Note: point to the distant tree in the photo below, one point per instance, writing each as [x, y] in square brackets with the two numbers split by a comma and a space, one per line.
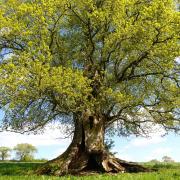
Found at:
[4, 152]
[25, 152]
[154, 161]
[167, 159]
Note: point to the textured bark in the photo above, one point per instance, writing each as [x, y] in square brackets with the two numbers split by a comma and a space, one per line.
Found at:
[87, 152]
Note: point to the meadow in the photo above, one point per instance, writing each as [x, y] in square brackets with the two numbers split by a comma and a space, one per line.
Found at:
[24, 171]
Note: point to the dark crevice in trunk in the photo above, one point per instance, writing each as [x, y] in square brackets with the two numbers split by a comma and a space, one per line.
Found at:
[83, 139]
[93, 165]
[91, 121]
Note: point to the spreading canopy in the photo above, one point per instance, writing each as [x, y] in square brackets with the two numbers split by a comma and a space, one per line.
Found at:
[112, 57]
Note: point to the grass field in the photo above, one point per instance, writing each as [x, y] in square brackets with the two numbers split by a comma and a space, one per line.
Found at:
[24, 171]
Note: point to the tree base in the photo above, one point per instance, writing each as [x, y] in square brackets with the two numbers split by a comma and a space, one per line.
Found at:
[84, 163]
[87, 154]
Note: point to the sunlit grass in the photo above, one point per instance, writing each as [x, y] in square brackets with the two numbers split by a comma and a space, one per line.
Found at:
[24, 171]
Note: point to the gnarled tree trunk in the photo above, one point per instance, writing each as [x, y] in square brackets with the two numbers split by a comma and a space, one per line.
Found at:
[87, 152]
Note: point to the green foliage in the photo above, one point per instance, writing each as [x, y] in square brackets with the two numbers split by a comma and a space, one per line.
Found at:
[113, 57]
[4, 152]
[25, 152]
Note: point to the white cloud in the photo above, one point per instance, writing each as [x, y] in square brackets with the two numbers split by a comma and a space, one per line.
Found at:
[159, 153]
[155, 137]
[48, 138]
[178, 60]
[142, 142]
[124, 156]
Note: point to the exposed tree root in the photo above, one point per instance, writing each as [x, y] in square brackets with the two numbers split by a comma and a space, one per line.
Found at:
[79, 164]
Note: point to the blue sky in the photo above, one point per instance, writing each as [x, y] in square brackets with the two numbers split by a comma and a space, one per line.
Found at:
[143, 149]
[50, 144]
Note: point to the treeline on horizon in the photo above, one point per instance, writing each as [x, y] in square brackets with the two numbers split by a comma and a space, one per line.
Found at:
[22, 152]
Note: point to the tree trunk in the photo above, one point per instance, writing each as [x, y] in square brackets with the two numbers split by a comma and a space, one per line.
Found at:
[87, 152]
[3, 156]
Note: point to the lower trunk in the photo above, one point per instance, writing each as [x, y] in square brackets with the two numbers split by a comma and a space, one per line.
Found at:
[87, 152]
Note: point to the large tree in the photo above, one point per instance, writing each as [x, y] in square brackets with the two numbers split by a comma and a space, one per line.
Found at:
[95, 65]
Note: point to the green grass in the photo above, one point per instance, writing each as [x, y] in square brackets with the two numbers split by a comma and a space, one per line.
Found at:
[163, 165]
[24, 171]
[17, 168]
